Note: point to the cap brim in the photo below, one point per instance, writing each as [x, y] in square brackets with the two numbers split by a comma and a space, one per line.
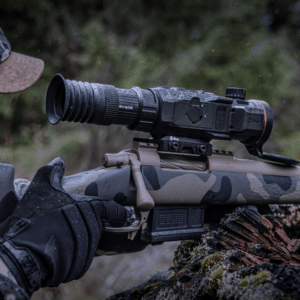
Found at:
[19, 72]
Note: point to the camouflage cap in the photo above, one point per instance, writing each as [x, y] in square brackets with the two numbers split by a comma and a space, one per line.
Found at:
[17, 71]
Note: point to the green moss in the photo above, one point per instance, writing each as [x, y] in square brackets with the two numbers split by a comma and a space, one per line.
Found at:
[137, 293]
[244, 283]
[172, 275]
[199, 250]
[202, 247]
[216, 278]
[183, 253]
[260, 278]
[210, 261]
[181, 272]
[151, 286]
[255, 280]
[249, 247]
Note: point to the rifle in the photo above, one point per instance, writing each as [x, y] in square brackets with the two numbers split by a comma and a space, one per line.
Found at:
[175, 181]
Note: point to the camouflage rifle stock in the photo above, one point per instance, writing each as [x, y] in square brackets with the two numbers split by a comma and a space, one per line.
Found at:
[179, 187]
[175, 181]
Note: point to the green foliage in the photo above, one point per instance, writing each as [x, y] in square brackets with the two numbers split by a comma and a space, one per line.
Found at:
[292, 145]
[71, 145]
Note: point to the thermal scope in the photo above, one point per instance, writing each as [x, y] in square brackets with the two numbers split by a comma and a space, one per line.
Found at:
[175, 117]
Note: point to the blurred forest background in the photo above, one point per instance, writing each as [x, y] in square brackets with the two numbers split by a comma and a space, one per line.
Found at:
[194, 44]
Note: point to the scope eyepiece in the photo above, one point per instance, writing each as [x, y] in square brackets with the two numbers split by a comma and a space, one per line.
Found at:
[101, 104]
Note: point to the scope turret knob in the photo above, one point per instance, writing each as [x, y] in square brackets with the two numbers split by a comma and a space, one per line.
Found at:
[236, 93]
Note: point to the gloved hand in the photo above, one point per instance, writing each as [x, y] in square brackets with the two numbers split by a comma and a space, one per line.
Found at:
[51, 236]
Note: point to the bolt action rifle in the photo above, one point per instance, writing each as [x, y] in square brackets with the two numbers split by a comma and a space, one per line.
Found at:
[175, 181]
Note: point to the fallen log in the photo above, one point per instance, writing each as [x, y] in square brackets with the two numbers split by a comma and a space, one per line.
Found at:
[249, 257]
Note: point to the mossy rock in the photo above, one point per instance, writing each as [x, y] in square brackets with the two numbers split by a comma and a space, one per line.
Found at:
[209, 261]
[183, 271]
[244, 283]
[255, 280]
[216, 278]
[260, 278]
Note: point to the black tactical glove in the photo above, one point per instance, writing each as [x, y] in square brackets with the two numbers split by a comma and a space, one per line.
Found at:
[51, 237]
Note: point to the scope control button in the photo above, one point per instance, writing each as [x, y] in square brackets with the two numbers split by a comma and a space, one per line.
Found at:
[194, 114]
[194, 111]
[237, 93]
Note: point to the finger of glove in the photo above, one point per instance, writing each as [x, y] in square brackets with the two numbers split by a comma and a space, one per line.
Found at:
[57, 161]
[110, 211]
[86, 233]
[45, 191]
[112, 243]
[40, 195]
[51, 173]
[7, 205]
[42, 175]
[57, 174]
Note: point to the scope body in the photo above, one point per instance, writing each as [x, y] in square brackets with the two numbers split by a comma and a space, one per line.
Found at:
[161, 111]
